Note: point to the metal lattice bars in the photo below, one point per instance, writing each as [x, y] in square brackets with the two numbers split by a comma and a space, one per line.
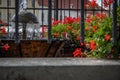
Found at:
[59, 10]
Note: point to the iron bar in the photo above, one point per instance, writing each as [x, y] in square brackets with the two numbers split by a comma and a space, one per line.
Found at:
[42, 15]
[7, 7]
[8, 18]
[101, 5]
[64, 10]
[16, 21]
[56, 9]
[33, 4]
[49, 20]
[17, 41]
[61, 10]
[114, 30]
[77, 7]
[82, 22]
[69, 7]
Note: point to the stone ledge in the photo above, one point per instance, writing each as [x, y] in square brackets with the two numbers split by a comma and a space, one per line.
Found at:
[56, 62]
[59, 69]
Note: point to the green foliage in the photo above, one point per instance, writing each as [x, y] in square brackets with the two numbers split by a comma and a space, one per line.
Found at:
[104, 48]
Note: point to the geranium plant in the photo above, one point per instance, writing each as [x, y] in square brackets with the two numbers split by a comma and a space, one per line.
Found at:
[68, 29]
[98, 34]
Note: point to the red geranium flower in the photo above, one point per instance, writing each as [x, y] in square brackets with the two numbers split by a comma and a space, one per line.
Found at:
[55, 22]
[68, 20]
[101, 15]
[56, 34]
[6, 47]
[92, 45]
[93, 3]
[3, 31]
[107, 37]
[88, 20]
[107, 2]
[94, 28]
[77, 52]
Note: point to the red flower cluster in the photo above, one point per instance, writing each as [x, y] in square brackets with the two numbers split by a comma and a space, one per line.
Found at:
[77, 52]
[56, 34]
[101, 15]
[68, 20]
[92, 3]
[6, 47]
[2, 30]
[88, 20]
[92, 45]
[71, 20]
[94, 28]
[107, 37]
[107, 2]
[55, 22]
